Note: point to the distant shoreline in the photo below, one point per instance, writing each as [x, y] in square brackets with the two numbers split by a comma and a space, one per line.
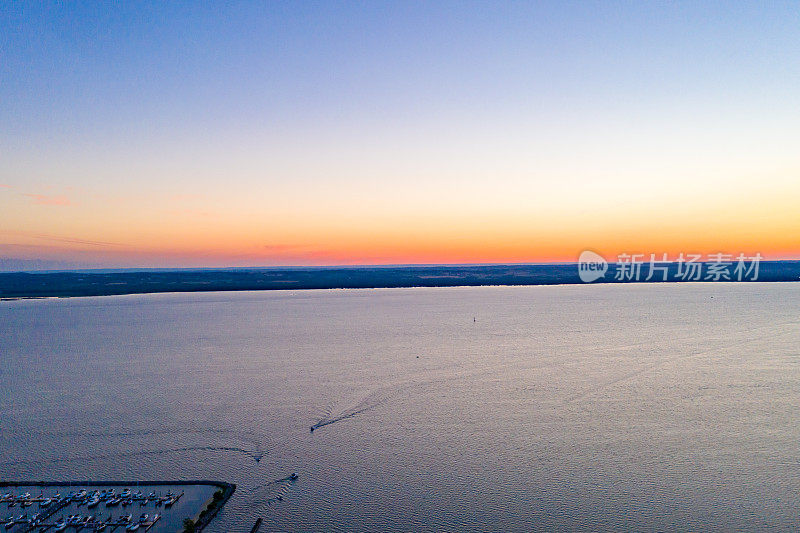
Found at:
[19, 285]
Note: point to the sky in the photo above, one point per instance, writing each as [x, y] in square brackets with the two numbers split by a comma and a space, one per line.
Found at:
[209, 134]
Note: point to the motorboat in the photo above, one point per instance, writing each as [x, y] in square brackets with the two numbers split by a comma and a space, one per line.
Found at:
[294, 476]
[144, 517]
[113, 501]
[132, 527]
[94, 502]
[45, 502]
[61, 525]
[11, 521]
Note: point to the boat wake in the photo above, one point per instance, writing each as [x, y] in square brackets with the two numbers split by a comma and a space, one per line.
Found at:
[276, 490]
[371, 401]
[250, 453]
[254, 444]
[282, 481]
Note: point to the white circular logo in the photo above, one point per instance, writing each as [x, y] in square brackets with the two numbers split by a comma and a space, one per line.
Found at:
[591, 266]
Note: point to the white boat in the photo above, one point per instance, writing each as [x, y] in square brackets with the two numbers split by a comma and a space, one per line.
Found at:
[45, 502]
[61, 525]
[126, 518]
[132, 527]
[125, 493]
[93, 502]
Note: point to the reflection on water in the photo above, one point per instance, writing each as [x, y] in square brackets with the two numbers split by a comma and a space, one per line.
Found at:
[494, 408]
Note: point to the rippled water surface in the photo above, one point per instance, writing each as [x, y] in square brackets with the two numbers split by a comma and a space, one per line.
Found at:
[492, 408]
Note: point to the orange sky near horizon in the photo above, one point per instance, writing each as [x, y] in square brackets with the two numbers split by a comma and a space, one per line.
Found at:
[209, 236]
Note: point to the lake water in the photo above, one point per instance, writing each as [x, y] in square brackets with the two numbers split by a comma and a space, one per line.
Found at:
[663, 406]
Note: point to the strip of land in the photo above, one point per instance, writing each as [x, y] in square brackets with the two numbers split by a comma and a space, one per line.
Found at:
[104, 282]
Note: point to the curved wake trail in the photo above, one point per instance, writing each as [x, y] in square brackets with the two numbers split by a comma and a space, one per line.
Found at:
[255, 455]
[251, 439]
[244, 436]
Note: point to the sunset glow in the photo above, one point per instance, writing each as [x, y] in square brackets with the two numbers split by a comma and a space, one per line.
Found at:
[401, 133]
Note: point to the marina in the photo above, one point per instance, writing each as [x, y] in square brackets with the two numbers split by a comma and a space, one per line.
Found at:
[108, 507]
